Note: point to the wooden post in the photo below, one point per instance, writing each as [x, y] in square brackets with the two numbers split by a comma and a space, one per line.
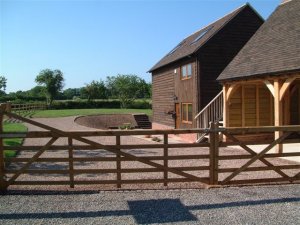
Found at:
[286, 108]
[71, 162]
[8, 107]
[165, 159]
[3, 186]
[119, 178]
[277, 113]
[213, 154]
[225, 110]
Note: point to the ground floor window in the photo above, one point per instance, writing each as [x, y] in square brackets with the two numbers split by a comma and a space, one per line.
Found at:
[186, 113]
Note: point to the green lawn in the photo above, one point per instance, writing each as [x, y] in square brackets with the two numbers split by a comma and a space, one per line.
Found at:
[85, 112]
[13, 127]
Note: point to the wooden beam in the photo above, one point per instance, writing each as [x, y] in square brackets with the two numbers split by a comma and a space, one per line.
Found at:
[225, 107]
[270, 87]
[257, 105]
[166, 165]
[118, 161]
[286, 108]
[71, 162]
[285, 86]
[277, 112]
[243, 106]
[232, 88]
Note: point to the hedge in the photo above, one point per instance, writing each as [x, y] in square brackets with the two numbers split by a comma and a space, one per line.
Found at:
[110, 104]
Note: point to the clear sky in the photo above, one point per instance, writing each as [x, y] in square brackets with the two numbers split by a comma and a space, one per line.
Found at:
[89, 40]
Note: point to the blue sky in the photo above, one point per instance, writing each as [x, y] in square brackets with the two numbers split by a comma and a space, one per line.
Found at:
[89, 40]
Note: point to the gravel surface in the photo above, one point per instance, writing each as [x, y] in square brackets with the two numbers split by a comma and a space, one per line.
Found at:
[244, 205]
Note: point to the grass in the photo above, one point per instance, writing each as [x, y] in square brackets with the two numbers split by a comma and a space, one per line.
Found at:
[12, 127]
[85, 112]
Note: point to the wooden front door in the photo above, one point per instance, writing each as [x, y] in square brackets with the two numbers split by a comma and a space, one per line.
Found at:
[177, 118]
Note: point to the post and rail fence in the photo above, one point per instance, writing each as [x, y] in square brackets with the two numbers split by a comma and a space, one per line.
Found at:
[120, 163]
[25, 110]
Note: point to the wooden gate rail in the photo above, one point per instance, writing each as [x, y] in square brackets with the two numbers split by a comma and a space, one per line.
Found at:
[212, 155]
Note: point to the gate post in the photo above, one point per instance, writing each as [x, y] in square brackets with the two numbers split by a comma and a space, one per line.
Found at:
[118, 161]
[3, 186]
[213, 153]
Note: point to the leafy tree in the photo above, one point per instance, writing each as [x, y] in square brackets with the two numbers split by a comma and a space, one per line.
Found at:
[70, 93]
[95, 90]
[53, 82]
[3, 82]
[125, 87]
[37, 91]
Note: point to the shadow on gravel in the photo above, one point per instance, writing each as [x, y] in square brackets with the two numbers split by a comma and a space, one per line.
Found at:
[148, 211]
[160, 211]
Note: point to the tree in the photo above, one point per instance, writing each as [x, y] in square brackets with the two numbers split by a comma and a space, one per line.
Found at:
[3, 82]
[70, 93]
[125, 87]
[36, 92]
[95, 90]
[53, 82]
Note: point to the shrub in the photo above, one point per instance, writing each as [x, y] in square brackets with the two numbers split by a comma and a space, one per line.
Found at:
[84, 104]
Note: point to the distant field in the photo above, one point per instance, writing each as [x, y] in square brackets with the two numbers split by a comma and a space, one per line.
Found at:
[85, 112]
[13, 127]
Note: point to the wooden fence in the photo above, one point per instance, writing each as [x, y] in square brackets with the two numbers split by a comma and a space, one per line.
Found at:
[25, 108]
[89, 159]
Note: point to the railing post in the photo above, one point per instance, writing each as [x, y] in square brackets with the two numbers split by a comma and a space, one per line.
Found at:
[119, 178]
[213, 153]
[8, 107]
[166, 159]
[3, 186]
[71, 162]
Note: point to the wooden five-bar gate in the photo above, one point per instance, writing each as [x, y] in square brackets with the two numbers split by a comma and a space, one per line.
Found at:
[119, 162]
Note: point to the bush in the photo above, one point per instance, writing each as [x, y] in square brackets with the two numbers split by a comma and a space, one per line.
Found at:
[140, 104]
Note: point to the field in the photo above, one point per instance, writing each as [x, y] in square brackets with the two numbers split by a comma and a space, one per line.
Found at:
[13, 127]
[85, 112]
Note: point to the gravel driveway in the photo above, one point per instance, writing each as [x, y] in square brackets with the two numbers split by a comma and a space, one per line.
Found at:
[245, 205]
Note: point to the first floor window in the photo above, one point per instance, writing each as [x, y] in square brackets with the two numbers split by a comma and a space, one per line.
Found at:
[187, 112]
[186, 71]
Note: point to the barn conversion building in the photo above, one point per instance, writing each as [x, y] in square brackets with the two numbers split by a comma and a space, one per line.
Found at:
[184, 81]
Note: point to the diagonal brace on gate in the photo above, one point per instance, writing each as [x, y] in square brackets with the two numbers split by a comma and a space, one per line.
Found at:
[256, 157]
[253, 153]
[112, 149]
[32, 160]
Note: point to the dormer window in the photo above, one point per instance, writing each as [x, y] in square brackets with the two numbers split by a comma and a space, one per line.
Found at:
[186, 71]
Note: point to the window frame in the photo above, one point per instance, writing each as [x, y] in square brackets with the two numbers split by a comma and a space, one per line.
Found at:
[185, 68]
[185, 106]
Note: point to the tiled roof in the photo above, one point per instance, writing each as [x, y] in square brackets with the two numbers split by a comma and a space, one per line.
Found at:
[274, 49]
[191, 45]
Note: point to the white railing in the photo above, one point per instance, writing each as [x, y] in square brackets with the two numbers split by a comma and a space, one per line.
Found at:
[212, 112]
